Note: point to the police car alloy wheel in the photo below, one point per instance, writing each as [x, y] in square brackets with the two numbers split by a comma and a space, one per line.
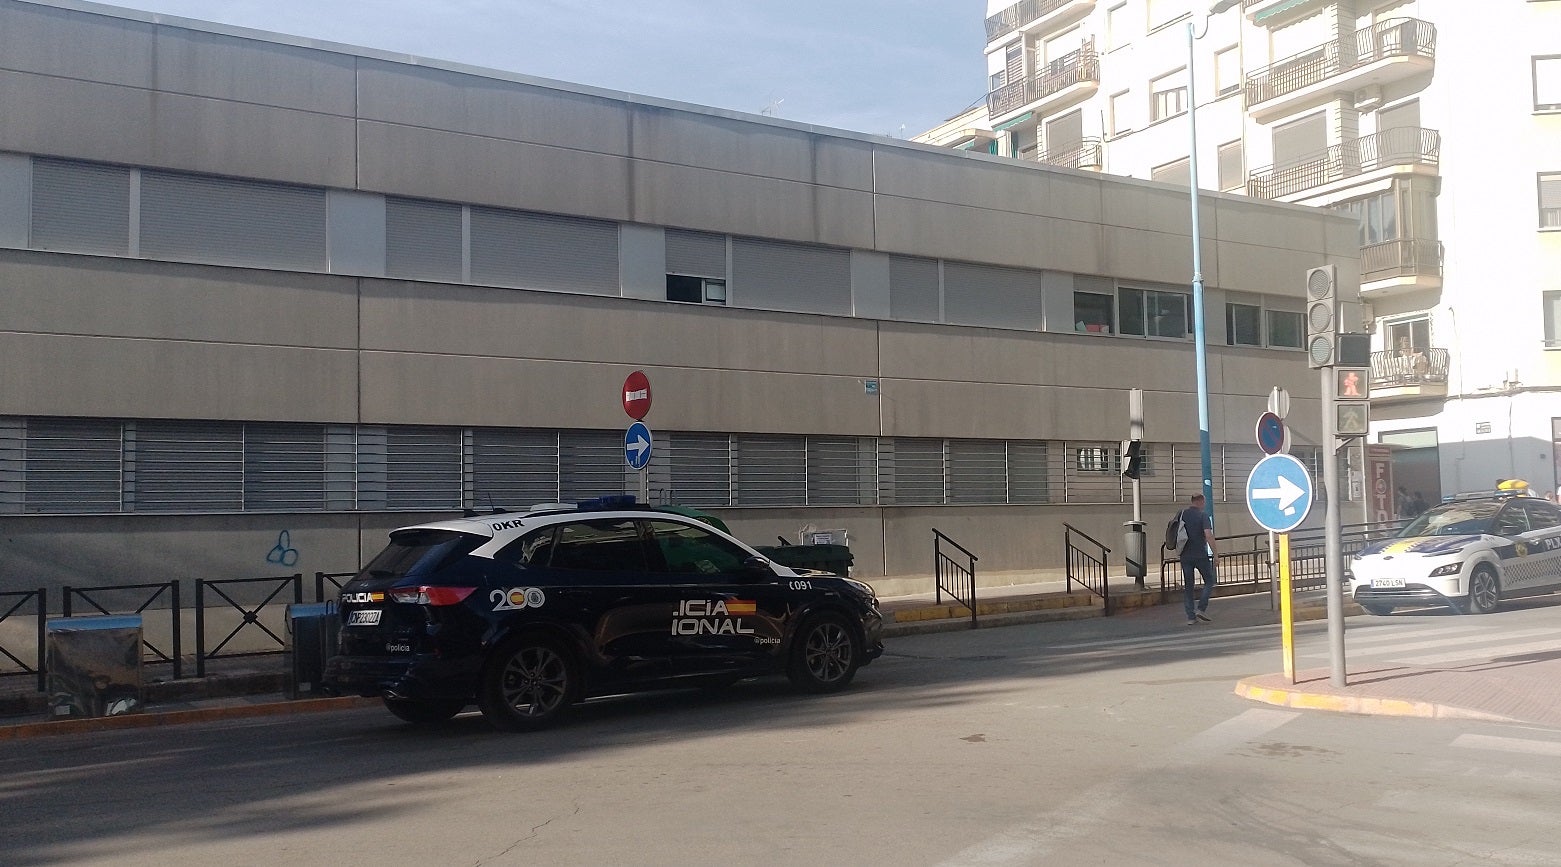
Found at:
[1484, 592]
[423, 712]
[824, 655]
[530, 685]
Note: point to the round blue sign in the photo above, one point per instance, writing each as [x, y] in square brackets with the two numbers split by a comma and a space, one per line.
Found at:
[1270, 433]
[1279, 493]
[636, 445]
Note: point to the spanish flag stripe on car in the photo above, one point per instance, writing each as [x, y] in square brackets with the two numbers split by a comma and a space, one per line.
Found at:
[741, 606]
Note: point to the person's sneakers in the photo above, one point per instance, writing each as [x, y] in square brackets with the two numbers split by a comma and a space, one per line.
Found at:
[1192, 623]
[1205, 618]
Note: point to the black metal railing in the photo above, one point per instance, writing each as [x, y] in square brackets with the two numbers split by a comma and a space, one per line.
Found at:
[334, 580]
[1020, 14]
[18, 600]
[98, 599]
[1391, 147]
[1396, 368]
[249, 611]
[951, 576]
[1089, 567]
[1085, 155]
[1395, 37]
[1073, 68]
[1411, 257]
[1244, 559]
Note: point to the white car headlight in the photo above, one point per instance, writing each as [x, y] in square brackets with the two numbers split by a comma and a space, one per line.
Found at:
[1446, 569]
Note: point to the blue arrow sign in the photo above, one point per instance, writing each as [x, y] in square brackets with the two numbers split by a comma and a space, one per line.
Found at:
[636, 445]
[1279, 493]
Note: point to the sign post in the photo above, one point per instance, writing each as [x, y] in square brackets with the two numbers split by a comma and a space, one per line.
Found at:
[1286, 614]
[637, 439]
[1279, 495]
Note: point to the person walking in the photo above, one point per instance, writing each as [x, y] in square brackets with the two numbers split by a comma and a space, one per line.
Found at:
[1197, 555]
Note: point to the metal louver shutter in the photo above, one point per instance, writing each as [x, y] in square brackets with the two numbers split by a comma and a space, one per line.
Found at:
[992, 297]
[1092, 473]
[13, 445]
[227, 221]
[422, 468]
[1030, 472]
[978, 471]
[590, 464]
[910, 471]
[1187, 467]
[772, 275]
[71, 465]
[514, 468]
[193, 466]
[1238, 462]
[701, 469]
[543, 251]
[80, 207]
[913, 289]
[284, 467]
[841, 471]
[422, 240]
[771, 471]
[696, 254]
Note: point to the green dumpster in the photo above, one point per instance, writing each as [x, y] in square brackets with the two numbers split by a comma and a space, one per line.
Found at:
[824, 558]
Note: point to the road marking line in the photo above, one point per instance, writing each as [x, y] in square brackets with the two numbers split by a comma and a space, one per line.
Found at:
[1102, 804]
[1488, 653]
[1508, 745]
[1472, 644]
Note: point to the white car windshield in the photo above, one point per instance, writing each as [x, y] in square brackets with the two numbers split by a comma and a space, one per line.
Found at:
[1453, 519]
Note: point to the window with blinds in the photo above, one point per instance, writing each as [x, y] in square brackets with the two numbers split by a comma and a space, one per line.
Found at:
[1092, 473]
[590, 464]
[696, 254]
[422, 468]
[183, 466]
[71, 466]
[80, 207]
[991, 296]
[978, 471]
[804, 278]
[842, 471]
[1550, 200]
[513, 469]
[910, 471]
[913, 289]
[284, 467]
[771, 471]
[226, 221]
[701, 469]
[544, 251]
[422, 240]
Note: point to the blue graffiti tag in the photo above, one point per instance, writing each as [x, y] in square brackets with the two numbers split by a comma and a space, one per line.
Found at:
[284, 554]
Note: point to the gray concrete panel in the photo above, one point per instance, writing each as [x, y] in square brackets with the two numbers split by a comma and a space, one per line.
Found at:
[971, 234]
[436, 99]
[844, 163]
[1270, 270]
[250, 70]
[1007, 185]
[52, 293]
[76, 45]
[736, 204]
[845, 218]
[1057, 314]
[355, 233]
[869, 284]
[431, 318]
[1252, 221]
[642, 261]
[16, 179]
[431, 164]
[1160, 257]
[722, 144]
[1153, 206]
[135, 378]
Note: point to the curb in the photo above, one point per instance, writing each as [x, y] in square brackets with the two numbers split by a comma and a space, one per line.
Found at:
[156, 719]
[1359, 704]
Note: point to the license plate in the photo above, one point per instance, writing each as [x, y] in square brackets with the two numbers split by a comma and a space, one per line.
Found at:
[367, 617]
[1387, 583]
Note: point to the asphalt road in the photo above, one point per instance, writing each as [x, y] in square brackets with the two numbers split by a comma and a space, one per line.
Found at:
[1112, 741]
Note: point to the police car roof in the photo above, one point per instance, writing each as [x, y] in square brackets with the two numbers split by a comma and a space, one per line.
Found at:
[499, 520]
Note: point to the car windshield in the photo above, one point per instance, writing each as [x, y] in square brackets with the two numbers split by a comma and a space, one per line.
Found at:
[1453, 519]
[415, 552]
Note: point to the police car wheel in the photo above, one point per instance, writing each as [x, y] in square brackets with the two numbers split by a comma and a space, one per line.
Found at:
[530, 684]
[824, 655]
[1378, 609]
[423, 712]
[1484, 592]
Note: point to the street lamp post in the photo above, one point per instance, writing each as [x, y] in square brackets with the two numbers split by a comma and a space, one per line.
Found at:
[1200, 343]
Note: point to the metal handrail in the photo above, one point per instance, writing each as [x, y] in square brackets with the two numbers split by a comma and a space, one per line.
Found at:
[1404, 257]
[333, 578]
[1243, 558]
[251, 616]
[86, 595]
[1395, 37]
[22, 597]
[1390, 147]
[1018, 15]
[1093, 573]
[962, 577]
[1085, 154]
[1392, 368]
[1072, 68]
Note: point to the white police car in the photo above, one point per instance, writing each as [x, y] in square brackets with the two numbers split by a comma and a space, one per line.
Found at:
[1468, 553]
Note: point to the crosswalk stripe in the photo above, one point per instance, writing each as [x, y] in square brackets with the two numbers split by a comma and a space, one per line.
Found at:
[1495, 652]
[1508, 745]
[1373, 635]
[1470, 641]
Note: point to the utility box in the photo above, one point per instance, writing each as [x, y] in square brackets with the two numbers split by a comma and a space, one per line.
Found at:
[312, 630]
[824, 558]
[94, 666]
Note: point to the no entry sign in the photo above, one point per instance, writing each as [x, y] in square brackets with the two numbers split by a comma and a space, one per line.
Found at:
[636, 395]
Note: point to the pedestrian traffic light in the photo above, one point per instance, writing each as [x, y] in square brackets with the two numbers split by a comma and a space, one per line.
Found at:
[1322, 316]
[1132, 458]
[1352, 383]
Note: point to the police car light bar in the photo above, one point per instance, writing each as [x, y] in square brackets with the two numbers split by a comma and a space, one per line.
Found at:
[607, 503]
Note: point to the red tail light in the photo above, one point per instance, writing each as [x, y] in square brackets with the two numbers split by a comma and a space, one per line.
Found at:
[426, 595]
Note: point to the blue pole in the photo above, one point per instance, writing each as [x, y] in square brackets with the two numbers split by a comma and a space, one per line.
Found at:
[1200, 345]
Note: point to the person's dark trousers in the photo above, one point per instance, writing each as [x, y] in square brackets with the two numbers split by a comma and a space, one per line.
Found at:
[1205, 567]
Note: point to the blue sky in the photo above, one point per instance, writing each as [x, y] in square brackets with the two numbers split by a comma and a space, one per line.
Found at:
[866, 65]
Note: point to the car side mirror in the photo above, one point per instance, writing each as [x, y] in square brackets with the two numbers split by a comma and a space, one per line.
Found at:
[759, 566]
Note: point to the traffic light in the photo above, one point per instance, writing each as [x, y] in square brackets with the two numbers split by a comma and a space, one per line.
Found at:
[1132, 458]
[1322, 316]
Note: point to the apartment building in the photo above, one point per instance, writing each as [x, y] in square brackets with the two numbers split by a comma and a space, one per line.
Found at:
[1435, 124]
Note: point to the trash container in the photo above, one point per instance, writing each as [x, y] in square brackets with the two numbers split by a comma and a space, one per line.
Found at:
[94, 666]
[312, 629]
[825, 558]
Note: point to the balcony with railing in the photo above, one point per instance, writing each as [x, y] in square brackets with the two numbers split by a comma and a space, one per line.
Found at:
[1084, 155]
[1387, 51]
[1035, 16]
[1366, 158]
[1400, 266]
[1400, 375]
[1071, 78]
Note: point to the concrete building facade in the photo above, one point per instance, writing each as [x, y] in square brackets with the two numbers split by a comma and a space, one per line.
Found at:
[1435, 124]
[266, 298]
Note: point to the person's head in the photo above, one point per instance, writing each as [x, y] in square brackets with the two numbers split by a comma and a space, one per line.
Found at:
[1403, 343]
[1197, 500]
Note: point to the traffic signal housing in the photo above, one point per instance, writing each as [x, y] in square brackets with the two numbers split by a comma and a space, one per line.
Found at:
[1132, 458]
[1322, 316]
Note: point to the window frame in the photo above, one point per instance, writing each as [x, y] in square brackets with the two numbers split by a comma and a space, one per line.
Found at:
[1549, 211]
[1555, 61]
[1157, 95]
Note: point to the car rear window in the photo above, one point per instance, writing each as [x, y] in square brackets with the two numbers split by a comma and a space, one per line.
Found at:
[413, 553]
